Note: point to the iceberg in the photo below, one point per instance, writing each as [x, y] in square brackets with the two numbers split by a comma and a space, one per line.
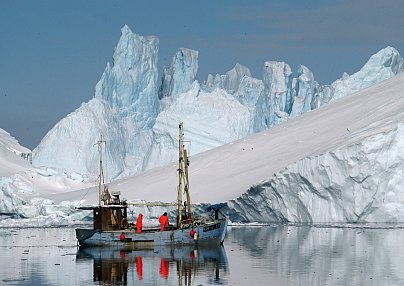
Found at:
[130, 86]
[343, 164]
[352, 184]
[137, 117]
[292, 148]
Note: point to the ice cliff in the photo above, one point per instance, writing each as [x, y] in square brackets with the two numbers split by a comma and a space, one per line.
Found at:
[179, 77]
[358, 179]
[286, 97]
[354, 183]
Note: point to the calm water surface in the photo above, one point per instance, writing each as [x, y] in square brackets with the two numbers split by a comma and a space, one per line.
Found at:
[260, 255]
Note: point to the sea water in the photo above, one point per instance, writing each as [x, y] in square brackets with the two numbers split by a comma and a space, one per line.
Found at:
[251, 255]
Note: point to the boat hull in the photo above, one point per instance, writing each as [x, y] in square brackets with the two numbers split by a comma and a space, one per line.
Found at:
[212, 233]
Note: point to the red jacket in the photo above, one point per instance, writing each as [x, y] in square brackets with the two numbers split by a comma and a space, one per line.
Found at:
[163, 220]
[139, 223]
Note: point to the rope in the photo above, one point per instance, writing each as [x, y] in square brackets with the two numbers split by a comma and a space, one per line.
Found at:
[106, 164]
[83, 196]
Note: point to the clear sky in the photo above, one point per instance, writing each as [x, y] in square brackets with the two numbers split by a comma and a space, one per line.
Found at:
[52, 53]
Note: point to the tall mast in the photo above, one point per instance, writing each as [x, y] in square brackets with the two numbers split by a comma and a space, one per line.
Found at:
[101, 175]
[183, 178]
[186, 183]
[180, 173]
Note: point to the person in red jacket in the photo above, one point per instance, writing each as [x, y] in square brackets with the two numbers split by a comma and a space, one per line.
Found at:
[139, 223]
[163, 220]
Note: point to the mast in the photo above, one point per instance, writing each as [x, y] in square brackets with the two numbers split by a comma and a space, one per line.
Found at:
[183, 163]
[186, 183]
[101, 175]
[180, 173]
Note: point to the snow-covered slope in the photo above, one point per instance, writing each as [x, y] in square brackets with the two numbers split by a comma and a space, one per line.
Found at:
[138, 117]
[342, 162]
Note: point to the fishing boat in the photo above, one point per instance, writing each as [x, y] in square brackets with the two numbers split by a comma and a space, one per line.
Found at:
[110, 217]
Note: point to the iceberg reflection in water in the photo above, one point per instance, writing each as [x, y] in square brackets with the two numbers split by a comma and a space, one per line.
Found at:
[171, 265]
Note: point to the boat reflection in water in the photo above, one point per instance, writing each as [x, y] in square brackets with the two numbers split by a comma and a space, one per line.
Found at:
[181, 266]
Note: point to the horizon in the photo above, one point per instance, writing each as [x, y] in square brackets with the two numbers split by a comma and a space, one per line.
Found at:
[53, 54]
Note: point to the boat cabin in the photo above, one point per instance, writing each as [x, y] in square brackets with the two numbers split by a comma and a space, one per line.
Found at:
[112, 216]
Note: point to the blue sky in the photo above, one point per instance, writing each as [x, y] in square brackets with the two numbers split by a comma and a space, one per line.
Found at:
[53, 52]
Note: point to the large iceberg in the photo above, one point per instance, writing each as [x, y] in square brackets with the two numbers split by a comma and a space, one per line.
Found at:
[137, 117]
[342, 162]
[333, 180]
